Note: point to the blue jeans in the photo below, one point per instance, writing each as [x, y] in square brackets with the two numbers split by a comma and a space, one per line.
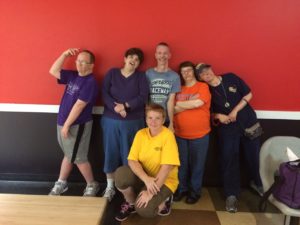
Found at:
[229, 145]
[118, 136]
[192, 154]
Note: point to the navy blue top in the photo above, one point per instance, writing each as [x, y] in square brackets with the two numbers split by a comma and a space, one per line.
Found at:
[84, 88]
[232, 89]
[133, 89]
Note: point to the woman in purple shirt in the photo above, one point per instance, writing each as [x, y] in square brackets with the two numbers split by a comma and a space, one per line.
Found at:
[125, 93]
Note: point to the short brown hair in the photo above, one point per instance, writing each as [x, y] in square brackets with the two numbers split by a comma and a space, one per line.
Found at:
[156, 108]
[135, 51]
[186, 64]
[92, 56]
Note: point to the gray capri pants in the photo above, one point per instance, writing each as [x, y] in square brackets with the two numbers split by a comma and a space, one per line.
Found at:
[124, 178]
[76, 146]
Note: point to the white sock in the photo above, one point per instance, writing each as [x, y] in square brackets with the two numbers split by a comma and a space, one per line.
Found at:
[110, 183]
[62, 181]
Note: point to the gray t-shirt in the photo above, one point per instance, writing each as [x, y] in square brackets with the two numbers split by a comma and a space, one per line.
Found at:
[161, 85]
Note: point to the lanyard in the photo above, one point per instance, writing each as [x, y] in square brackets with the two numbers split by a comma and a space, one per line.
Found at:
[226, 104]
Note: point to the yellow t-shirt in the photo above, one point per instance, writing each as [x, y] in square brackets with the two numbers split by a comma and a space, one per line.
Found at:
[152, 152]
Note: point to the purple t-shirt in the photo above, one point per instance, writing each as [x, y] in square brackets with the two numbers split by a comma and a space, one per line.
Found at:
[84, 88]
[134, 90]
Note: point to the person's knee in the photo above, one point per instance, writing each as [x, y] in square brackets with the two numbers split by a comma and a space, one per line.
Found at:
[123, 177]
[148, 212]
[80, 161]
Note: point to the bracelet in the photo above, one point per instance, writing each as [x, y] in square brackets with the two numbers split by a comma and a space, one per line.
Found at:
[245, 100]
[127, 109]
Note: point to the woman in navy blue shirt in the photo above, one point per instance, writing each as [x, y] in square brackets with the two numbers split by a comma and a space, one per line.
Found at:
[231, 114]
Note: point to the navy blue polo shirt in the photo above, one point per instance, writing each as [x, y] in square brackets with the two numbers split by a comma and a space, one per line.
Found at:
[231, 90]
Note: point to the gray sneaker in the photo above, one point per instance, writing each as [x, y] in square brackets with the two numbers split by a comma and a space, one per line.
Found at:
[59, 188]
[109, 193]
[231, 204]
[91, 189]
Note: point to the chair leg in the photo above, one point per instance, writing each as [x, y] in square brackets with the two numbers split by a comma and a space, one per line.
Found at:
[287, 220]
[294, 221]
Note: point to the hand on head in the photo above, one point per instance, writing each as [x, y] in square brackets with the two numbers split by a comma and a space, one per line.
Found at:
[71, 51]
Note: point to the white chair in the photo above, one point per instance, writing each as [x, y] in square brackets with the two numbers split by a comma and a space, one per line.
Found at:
[272, 153]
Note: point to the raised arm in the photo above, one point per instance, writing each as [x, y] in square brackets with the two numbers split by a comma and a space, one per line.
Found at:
[58, 64]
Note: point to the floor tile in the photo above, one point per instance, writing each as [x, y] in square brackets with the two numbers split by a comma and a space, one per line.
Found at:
[177, 217]
[239, 218]
[269, 218]
[248, 201]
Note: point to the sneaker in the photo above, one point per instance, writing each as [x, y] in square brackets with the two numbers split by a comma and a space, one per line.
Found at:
[109, 193]
[59, 188]
[167, 208]
[126, 210]
[91, 189]
[258, 189]
[231, 204]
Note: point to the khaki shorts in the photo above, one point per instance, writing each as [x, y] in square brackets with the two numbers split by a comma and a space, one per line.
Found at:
[76, 146]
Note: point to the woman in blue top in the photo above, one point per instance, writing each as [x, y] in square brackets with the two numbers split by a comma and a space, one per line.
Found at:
[125, 93]
[232, 114]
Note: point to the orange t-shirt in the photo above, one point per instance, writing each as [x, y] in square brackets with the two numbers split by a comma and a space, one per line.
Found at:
[193, 123]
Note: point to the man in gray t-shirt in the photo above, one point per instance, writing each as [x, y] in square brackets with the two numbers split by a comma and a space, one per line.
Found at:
[164, 83]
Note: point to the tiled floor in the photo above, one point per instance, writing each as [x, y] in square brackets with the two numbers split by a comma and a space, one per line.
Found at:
[208, 211]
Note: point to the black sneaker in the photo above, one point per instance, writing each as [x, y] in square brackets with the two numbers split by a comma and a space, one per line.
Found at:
[126, 210]
[167, 208]
[179, 195]
[192, 198]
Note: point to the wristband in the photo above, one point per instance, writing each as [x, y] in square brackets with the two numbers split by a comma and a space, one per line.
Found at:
[127, 109]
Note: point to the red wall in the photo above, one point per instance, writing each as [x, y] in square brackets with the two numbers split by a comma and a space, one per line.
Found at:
[257, 39]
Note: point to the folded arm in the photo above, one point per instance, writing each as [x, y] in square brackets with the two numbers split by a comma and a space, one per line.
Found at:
[188, 104]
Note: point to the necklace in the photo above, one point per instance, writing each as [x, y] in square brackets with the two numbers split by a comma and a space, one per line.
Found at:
[226, 104]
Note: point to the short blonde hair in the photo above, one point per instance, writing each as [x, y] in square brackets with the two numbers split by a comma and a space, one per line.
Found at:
[156, 108]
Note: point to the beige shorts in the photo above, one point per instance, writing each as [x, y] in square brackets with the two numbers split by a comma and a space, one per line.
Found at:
[76, 146]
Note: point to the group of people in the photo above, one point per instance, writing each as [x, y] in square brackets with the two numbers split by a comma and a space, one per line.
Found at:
[163, 161]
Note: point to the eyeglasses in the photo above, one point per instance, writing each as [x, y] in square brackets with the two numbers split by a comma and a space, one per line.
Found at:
[204, 71]
[82, 62]
[184, 71]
